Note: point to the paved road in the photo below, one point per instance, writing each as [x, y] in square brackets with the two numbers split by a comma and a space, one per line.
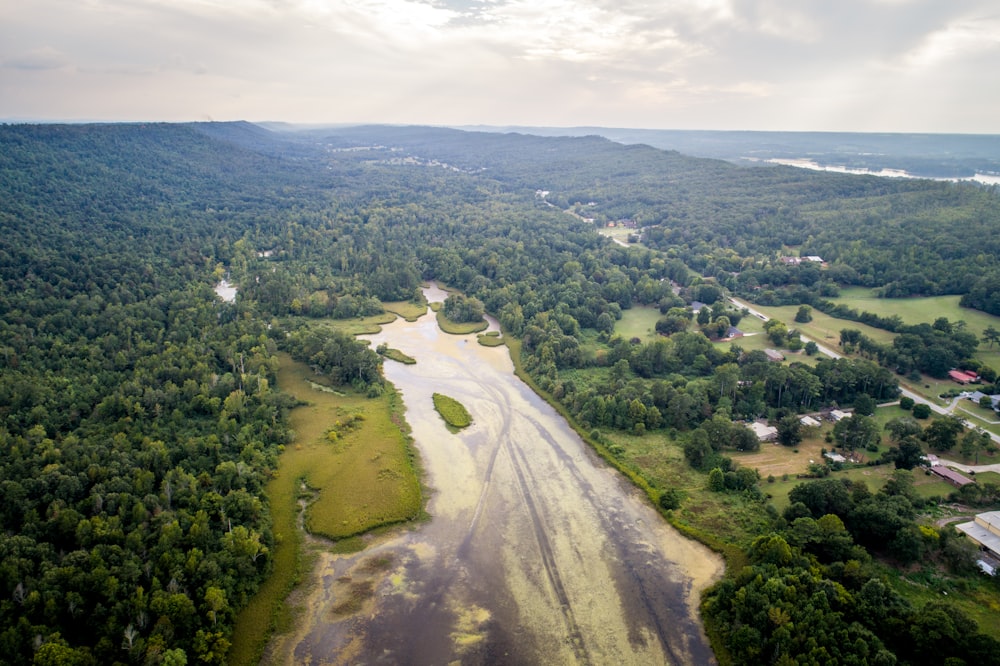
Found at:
[916, 397]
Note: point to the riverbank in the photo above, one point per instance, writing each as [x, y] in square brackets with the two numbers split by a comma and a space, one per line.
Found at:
[537, 552]
[353, 460]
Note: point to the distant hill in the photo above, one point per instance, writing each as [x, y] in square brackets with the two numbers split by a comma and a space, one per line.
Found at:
[922, 155]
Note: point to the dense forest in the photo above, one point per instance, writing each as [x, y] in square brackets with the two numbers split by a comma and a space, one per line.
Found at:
[139, 418]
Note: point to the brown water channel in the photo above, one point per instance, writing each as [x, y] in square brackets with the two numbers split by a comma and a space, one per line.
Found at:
[537, 552]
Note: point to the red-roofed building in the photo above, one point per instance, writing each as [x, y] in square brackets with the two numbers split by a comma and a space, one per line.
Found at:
[951, 476]
[963, 376]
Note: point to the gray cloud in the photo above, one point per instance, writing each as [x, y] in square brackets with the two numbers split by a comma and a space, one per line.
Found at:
[731, 64]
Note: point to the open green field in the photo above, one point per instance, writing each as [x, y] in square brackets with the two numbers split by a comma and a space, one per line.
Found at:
[922, 310]
[638, 322]
[925, 310]
[826, 330]
[463, 328]
[823, 328]
[365, 478]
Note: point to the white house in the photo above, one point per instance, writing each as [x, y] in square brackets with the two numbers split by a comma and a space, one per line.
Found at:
[984, 531]
[764, 432]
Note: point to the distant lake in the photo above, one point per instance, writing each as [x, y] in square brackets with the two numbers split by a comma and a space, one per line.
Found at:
[985, 179]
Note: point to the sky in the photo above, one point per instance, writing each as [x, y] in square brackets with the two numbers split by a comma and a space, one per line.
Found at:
[797, 65]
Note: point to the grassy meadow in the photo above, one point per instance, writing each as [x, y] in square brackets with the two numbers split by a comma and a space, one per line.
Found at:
[638, 322]
[926, 310]
[362, 478]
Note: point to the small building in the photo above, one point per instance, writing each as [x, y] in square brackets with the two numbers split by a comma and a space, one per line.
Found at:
[963, 376]
[809, 422]
[835, 457]
[774, 355]
[984, 531]
[932, 460]
[977, 396]
[951, 476]
[764, 432]
[814, 258]
[837, 415]
[732, 332]
[696, 306]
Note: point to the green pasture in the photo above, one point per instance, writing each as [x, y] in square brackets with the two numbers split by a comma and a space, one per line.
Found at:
[823, 328]
[925, 310]
[917, 310]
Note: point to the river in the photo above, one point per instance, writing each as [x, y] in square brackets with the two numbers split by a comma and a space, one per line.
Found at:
[536, 553]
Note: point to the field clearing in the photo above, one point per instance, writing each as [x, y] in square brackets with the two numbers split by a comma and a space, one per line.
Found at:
[638, 322]
[917, 310]
[619, 234]
[925, 310]
[775, 459]
[359, 325]
[823, 328]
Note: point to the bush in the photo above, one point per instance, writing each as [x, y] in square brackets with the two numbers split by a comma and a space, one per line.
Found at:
[921, 411]
[670, 499]
[906, 403]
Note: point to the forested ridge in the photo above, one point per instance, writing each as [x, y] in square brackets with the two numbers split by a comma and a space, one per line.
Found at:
[138, 415]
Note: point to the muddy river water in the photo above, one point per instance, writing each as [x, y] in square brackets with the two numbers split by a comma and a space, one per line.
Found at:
[536, 552]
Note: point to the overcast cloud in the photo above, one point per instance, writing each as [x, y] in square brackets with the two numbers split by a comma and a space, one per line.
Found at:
[861, 65]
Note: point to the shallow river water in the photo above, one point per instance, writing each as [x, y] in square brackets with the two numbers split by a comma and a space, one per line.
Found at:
[536, 552]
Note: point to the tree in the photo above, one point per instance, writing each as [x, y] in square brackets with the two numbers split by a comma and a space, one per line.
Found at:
[864, 404]
[942, 434]
[921, 410]
[789, 430]
[903, 427]
[811, 348]
[716, 480]
[776, 331]
[973, 442]
[804, 314]
[908, 454]
[856, 432]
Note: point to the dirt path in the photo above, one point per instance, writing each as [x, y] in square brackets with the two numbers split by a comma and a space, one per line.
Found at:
[537, 552]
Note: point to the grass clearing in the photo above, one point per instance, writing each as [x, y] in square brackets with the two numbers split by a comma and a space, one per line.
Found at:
[638, 322]
[366, 478]
[823, 328]
[917, 310]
